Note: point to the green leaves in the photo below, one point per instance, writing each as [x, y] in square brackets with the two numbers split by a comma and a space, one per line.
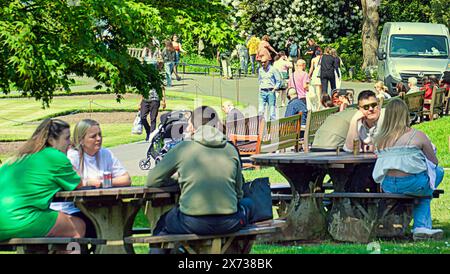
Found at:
[43, 42]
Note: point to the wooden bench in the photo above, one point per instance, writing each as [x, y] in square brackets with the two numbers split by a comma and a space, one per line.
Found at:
[314, 120]
[281, 134]
[50, 245]
[234, 243]
[414, 101]
[436, 104]
[270, 137]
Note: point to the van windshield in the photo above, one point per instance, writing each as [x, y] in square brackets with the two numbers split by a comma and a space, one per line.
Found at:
[419, 46]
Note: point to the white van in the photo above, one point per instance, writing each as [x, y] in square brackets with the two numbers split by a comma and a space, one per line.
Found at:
[412, 50]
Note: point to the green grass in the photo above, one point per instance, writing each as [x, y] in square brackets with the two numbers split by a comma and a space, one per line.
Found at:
[440, 209]
[19, 116]
[438, 131]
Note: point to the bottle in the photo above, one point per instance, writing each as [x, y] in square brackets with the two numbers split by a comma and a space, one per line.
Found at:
[356, 146]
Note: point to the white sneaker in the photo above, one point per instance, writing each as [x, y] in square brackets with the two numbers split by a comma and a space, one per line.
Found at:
[422, 233]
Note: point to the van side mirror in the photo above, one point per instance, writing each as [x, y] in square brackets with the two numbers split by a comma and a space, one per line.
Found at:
[381, 55]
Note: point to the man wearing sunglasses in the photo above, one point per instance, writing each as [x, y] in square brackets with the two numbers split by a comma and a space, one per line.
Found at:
[364, 123]
[269, 80]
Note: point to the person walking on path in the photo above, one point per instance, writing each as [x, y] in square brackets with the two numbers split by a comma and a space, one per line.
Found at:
[314, 75]
[178, 49]
[169, 57]
[150, 105]
[337, 73]
[243, 58]
[311, 52]
[252, 45]
[223, 58]
[265, 48]
[328, 67]
[283, 65]
[299, 80]
[269, 80]
[293, 50]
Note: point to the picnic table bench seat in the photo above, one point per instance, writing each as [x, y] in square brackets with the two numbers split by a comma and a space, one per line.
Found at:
[49, 245]
[239, 242]
[360, 216]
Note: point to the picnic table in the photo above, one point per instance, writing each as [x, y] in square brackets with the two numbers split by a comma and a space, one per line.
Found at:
[305, 172]
[113, 210]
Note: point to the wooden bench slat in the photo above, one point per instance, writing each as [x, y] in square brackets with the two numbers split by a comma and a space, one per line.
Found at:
[260, 228]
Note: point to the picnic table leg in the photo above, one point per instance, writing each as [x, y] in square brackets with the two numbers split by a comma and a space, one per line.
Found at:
[306, 218]
[113, 220]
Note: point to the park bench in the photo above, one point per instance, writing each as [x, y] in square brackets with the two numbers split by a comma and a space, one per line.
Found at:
[50, 245]
[313, 122]
[239, 242]
[414, 101]
[270, 136]
[436, 104]
[446, 102]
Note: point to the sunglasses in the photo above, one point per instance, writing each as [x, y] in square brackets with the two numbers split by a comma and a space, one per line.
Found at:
[368, 106]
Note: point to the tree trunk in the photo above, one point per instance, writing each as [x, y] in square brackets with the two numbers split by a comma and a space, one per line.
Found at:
[371, 20]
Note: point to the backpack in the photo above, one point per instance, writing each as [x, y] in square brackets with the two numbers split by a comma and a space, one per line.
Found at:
[293, 50]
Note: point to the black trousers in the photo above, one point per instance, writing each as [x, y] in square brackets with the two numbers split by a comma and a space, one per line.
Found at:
[152, 108]
[175, 222]
[324, 79]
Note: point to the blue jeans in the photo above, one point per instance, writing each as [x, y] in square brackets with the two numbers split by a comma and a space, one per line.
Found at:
[267, 98]
[244, 64]
[253, 61]
[169, 68]
[417, 185]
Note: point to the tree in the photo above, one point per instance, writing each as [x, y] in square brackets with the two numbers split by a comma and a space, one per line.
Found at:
[207, 20]
[371, 20]
[45, 41]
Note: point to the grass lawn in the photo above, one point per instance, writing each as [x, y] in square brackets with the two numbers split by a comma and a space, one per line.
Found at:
[19, 117]
[440, 209]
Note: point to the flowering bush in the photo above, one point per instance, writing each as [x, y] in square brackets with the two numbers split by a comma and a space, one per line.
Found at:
[323, 20]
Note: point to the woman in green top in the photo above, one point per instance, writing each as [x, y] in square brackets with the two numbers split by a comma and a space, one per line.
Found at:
[29, 181]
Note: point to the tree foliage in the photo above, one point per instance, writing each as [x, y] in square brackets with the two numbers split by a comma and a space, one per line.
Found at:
[44, 41]
[208, 20]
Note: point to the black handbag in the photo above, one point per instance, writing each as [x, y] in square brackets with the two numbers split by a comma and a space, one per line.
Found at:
[259, 192]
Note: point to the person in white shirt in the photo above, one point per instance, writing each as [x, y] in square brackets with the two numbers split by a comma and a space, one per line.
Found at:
[412, 85]
[90, 161]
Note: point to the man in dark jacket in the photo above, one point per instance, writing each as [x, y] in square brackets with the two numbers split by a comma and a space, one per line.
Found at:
[328, 65]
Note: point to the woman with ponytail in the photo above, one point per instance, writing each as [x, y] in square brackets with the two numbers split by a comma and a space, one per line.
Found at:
[30, 179]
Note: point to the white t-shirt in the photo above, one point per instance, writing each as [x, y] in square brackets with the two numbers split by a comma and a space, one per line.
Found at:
[91, 169]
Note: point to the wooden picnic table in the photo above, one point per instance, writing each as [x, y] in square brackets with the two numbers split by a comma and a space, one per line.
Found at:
[113, 210]
[305, 172]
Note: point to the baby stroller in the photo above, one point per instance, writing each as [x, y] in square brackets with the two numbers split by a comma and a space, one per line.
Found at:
[169, 133]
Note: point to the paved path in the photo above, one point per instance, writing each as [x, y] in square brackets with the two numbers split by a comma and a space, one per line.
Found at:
[243, 90]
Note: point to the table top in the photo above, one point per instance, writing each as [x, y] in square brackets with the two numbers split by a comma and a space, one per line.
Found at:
[313, 158]
[118, 192]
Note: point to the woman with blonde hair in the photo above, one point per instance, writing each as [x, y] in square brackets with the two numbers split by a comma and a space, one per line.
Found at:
[407, 164]
[90, 160]
[29, 181]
